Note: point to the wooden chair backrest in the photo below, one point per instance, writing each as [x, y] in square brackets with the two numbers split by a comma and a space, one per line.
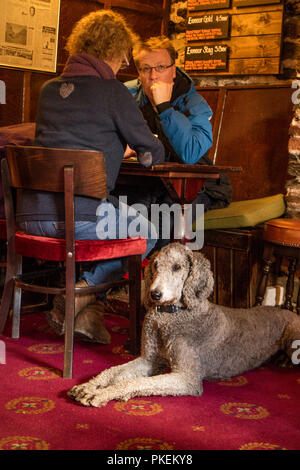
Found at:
[42, 169]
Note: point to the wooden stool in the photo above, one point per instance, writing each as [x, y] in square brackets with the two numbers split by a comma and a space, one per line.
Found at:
[281, 239]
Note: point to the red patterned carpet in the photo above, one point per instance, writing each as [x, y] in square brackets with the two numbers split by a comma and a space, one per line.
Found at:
[257, 410]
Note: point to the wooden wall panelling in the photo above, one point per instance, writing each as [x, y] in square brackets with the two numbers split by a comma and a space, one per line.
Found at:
[144, 24]
[254, 135]
[211, 95]
[12, 111]
[152, 7]
[166, 17]
[254, 41]
[235, 256]
[223, 279]
[70, 12]
[240, 275]
[251, 130]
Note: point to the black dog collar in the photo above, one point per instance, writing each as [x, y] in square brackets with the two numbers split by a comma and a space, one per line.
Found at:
[168, 308]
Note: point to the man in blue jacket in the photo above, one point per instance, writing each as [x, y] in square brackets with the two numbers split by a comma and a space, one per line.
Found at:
[178, 115]
[170, 103]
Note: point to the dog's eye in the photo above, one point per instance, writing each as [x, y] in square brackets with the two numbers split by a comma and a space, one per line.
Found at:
[176, 267]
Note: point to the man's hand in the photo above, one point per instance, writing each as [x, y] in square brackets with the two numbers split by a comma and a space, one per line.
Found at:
[161, 92]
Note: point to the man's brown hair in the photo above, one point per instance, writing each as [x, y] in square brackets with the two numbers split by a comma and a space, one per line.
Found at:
[154, 44]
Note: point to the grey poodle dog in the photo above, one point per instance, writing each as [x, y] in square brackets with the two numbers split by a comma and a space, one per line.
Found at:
[188, 335]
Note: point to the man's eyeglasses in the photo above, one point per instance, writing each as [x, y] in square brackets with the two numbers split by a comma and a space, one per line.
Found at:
[125, 63]
[158, 68]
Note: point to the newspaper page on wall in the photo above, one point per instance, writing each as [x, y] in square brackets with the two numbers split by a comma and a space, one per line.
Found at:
[29, 34]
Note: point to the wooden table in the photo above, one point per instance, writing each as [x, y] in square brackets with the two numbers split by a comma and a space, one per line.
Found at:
[182, 182]
[177, 177]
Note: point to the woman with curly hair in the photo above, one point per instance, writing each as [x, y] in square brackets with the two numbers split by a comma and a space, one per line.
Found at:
[87, 108]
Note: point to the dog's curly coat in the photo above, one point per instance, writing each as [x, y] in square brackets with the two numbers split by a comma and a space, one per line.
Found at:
[200, 340]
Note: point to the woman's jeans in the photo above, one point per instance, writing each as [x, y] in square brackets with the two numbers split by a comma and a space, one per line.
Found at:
[112, 223]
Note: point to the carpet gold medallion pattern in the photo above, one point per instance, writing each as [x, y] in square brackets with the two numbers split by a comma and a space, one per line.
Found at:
[234, 381]
[40, 373]
[23, 443]
[144, 443]
[139, 407]
[261, 446]
[50, 348]
[255, 410]
[198, 428]
[244, 410]
[30, 405]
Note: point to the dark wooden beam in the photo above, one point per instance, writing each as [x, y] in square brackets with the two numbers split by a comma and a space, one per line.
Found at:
[165, 17]
[26, 96]
[135, 6]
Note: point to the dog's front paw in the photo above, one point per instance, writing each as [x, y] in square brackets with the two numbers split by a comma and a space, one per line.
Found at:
[94, 397]
[79, 391]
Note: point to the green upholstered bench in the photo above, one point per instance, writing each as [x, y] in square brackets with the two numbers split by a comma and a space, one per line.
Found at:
[233, 244]
[245, 213]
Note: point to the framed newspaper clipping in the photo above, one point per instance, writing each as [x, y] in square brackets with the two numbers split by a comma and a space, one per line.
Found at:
[29, 34]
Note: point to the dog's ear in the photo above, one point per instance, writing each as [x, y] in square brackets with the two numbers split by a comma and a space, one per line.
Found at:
[148, 280]
[199, 283]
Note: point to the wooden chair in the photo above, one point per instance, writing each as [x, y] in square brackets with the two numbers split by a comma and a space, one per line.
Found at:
[281, 239]
[3, 239]
[70, 172]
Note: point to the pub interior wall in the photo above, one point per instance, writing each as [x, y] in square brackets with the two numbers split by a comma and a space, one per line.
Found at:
[146, 17]
[290, 57]
[289, 74]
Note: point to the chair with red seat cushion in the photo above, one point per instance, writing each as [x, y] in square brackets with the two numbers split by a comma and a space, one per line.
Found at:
[281, 239]
[71, 172]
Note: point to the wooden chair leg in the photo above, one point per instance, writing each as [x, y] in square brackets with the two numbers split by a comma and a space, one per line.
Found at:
[6, 301]
[135, 266]
[17, 302]
[69, 340]
[267, 259]
[8, 286]
[290, 285]
[69, 321]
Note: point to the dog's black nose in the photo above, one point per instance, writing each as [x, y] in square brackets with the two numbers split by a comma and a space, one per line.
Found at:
[156, 294]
